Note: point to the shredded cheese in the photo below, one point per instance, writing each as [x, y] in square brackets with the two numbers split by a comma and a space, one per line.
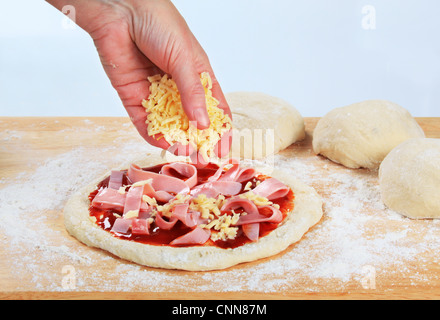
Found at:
[150, 201]
[141, 183]
[167, 209]
[220, 224]
[209, 208]
[248, 186]
[258, 200]
[131, 214]
[167, 118]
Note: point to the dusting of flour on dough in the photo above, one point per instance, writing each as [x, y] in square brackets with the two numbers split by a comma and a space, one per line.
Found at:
[332, 256]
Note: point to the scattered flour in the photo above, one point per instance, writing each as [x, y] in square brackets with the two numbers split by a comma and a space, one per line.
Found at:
[332, 256]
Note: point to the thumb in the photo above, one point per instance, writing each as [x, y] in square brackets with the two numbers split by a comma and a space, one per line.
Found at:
[192, 94]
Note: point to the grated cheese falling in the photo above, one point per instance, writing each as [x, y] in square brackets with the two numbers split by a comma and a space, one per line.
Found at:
[167, 118]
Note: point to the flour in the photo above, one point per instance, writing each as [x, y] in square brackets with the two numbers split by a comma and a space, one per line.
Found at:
[332, 256]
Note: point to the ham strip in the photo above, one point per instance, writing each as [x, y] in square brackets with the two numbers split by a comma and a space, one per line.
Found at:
[213, 189]
[146, 209]
[275, 217]
[108, 198]
[253, 215]
[133, 199]
[160, 182]
[184, 169]
[227, 188]
[236, 203]
[140, 227]
[219, 171]
[163, 224]
[181, 212]
[195, 236]
[115, 181]
[234, 173]
[161, 196]
[122, 225]
[271, 189]
[207, 189]
[251, 230]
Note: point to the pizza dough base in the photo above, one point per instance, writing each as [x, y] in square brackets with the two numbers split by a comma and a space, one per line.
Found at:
[362, 134]
[263, 125]
[409, 178]
[307, 212]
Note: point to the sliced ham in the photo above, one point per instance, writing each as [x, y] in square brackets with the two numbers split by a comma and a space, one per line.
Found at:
[275, 217]
[271, 189]
[234, 173]
[227, 188]
[145, 208]
[214, 188]
[108, 198]
[165, 224]
[116, 178]
[251, 230]
[140, 227]
[160, 182]
[133, 199]
[161, 196]
[253, 215]
[188, 218]
[220, 170]
[122, 225]
[207, 189]
[183, 169]
[236, 203]
[195, 236]
[145, 211]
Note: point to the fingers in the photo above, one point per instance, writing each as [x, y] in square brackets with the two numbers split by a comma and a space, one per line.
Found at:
[192, 94]
[217, 93]
[179, 149]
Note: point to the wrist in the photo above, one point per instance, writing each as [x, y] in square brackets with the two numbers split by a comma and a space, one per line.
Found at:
[91, 15]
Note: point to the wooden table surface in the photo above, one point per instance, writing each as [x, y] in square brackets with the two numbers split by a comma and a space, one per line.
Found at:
[37, 256]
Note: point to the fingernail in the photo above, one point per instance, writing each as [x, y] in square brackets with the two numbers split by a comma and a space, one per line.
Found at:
[200, 115]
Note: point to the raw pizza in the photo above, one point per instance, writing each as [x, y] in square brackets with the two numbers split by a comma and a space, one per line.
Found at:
[179, 216]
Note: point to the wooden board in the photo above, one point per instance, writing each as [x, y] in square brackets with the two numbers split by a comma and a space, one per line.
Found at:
[358, 250]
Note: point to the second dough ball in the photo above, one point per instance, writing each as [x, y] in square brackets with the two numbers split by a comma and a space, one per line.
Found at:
[409, 178]
[263, 124]
[362, 134]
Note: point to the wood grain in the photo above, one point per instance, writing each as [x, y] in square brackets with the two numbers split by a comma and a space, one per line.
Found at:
[27, 142]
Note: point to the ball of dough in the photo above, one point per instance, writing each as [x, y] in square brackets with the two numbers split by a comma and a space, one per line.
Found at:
[263, 124]
[362, 134]
[409, 178]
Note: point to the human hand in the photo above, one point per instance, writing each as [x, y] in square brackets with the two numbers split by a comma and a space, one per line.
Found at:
[136, 39]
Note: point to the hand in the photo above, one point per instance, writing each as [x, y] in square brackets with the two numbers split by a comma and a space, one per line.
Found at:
[136, 39]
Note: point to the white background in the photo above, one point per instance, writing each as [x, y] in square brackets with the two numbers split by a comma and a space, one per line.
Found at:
[316, 54]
